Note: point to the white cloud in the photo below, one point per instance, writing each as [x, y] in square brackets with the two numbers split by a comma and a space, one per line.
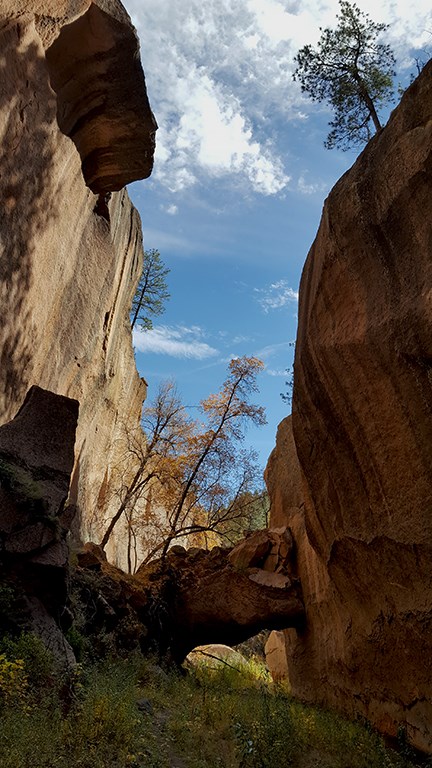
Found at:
[273, 349]
[219, 80]
[212, 76]
[211, 134]
[276, 372]
[306, 187]
[157, 238]
[178, 341]
[171, 210]
[240, 339]
[275, 295]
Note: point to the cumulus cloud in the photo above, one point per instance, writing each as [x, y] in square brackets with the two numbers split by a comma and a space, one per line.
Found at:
[171, 210]
[178, 341]
[212, 81]
[219, 80]
[306, 187]
[275, 295]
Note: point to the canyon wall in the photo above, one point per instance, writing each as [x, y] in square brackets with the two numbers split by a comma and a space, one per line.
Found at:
[75, 126]
[353, 478]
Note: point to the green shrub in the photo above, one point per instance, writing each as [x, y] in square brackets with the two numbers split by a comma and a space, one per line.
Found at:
[131, 714]
[79, 643]
[38, 662]
[13, 683]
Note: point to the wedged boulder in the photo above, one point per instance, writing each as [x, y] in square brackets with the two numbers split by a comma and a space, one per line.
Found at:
[362, 425]
[190, 599]
[217, 603]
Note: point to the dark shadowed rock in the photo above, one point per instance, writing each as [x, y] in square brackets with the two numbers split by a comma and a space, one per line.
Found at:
[185, 602]
[36, 460]
[218, 603]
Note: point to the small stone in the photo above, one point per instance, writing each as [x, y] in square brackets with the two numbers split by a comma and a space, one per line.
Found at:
[145, 705]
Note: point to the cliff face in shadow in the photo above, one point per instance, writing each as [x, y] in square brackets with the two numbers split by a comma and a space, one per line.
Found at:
[69, 258]
[362, 426]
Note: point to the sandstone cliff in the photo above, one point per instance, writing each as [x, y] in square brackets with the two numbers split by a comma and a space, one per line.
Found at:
[362, 425]
[75, 125]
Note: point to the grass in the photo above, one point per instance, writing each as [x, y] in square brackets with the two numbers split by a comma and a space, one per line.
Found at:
[131, 714]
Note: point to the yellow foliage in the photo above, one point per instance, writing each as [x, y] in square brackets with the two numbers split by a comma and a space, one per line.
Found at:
[13, 683]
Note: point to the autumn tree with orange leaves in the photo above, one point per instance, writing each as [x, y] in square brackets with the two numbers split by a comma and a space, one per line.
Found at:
[194, 475]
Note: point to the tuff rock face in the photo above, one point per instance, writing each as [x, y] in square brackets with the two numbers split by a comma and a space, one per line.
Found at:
[362, 425]
[36, 461]
[74, 121]
[192, 598]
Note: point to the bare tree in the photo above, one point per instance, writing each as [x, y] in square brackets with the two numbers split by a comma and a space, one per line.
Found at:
[193, 475]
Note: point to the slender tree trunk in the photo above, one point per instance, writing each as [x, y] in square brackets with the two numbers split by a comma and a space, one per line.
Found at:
[373, 112]
[121, 508]
[139, 304]
[364, 94]
[196, 469]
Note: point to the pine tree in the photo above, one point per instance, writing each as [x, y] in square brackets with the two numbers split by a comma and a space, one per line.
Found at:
[353, 72]
[151, 292]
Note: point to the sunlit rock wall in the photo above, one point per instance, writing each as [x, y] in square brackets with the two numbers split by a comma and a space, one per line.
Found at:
[362, 425]
[74, 114]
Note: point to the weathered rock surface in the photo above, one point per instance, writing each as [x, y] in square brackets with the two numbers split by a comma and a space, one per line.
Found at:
[36, 461]
[195, 598]
[102, 102]
[271, 550]
[69, 261]
[216, 656]
[362, 424]
[219, 603]
[275, 651]
[283, 477]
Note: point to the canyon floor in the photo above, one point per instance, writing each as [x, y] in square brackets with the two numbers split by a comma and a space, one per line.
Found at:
[131, 713]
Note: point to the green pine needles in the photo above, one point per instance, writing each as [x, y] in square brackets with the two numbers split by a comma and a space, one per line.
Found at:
[352, 71]
[152, 291]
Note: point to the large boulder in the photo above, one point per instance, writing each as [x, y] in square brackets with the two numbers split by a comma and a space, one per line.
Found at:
[190, 599]
[362, 425]
[217, 602]
[70, 259]
[36, 461]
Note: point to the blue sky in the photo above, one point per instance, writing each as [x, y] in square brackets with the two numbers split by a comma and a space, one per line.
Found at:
[240, 177]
